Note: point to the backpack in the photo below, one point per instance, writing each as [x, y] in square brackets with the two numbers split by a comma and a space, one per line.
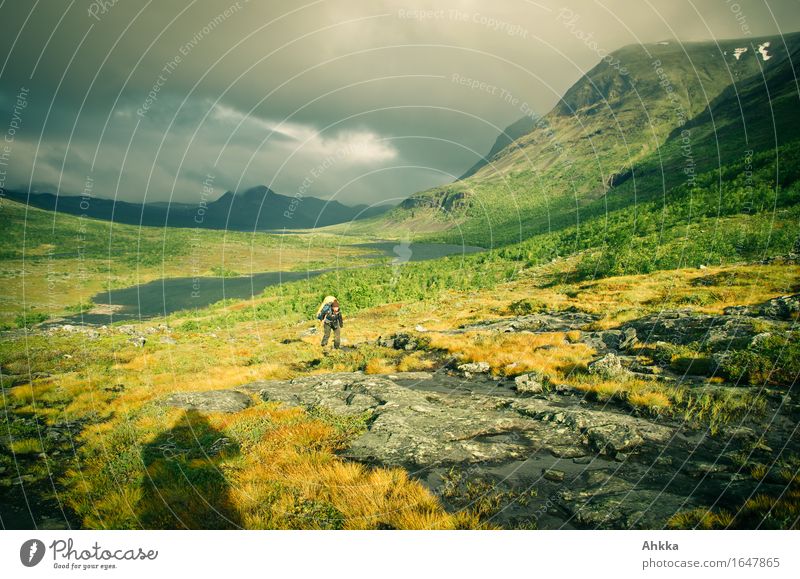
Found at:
[325, 307]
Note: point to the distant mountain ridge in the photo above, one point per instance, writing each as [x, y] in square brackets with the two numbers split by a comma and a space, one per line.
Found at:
[256, 209]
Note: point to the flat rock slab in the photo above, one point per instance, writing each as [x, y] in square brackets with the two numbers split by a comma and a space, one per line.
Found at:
[544, 322]
[592, 465]
[211, 401]
[420, 429]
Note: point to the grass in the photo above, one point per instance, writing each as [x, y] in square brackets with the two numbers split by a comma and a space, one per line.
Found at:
[763, 510]
[27, 446]
[66, 260]
[513, 354]
[278, 467]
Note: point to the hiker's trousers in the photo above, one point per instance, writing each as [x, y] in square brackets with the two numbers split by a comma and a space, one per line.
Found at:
[326, 334]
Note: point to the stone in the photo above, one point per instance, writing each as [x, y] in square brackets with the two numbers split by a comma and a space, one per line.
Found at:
[475, 368]
[402, 341]
[553, 475]
[781, 308]
[608, 367]
[420, 328]
[555, 321]
[211, 401]
[139, 341]
[407, 426]
[629, 339]
[611, 338]
[531, 383]
[168, 340]
[609, 439]
[601, 499]
[685, 327]
[431, 422]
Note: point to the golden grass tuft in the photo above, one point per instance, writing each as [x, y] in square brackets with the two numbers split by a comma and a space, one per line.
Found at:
[511, 354]
[415, 362]
[700, 518]
[379, 366]
[26, 446]
[652, 400]
[759, 471]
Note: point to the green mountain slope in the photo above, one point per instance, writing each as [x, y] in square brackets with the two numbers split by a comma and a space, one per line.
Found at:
[511, 133]
[624, 135]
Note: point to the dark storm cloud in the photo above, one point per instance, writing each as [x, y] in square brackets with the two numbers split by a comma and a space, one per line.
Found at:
[363, 100]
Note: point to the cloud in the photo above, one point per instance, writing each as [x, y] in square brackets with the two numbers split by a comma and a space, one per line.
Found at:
[349, 147]
[274, 89]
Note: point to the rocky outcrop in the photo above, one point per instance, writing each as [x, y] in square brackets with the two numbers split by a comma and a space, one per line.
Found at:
[471, 368]
[403, 341]
[544, 322]
[211, 401]
[609, 367]
[593, 465]
[530, 383]
[780, 308]
[411, 426]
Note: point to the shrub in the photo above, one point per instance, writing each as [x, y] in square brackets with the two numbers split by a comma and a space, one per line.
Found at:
[774, 360]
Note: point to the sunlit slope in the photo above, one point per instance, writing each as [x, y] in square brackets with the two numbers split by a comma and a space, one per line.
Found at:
[621, 134]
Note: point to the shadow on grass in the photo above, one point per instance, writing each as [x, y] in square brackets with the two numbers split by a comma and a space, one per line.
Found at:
[185, 486]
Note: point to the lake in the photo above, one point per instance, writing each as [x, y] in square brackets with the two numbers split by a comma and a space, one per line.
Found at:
[164, 296]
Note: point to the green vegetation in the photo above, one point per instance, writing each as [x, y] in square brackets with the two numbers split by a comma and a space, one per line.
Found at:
[595, 211]
[773, 360]
[54, 263]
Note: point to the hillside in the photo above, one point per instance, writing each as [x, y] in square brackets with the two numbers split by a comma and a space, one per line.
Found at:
[510, 134]
[53, 263]
[256, 209]
[622, 135]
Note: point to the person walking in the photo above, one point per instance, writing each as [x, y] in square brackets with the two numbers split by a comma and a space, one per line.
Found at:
[331, 316]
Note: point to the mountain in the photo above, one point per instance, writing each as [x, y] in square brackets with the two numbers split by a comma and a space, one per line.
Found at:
[510, 134]
[255, 209]
[640, 125]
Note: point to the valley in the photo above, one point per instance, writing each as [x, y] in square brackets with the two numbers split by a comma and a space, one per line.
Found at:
[594, 327]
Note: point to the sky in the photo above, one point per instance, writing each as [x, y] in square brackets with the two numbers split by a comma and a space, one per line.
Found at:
[364, 101]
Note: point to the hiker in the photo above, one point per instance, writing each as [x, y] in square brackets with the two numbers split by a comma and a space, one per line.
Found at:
[331, 317]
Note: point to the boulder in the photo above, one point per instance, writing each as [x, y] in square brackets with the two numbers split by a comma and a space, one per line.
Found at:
[553, 475]
[531, 383]
[402, 341]
[610, 439]
[629, 339]
[474, 368]
[609, 367]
